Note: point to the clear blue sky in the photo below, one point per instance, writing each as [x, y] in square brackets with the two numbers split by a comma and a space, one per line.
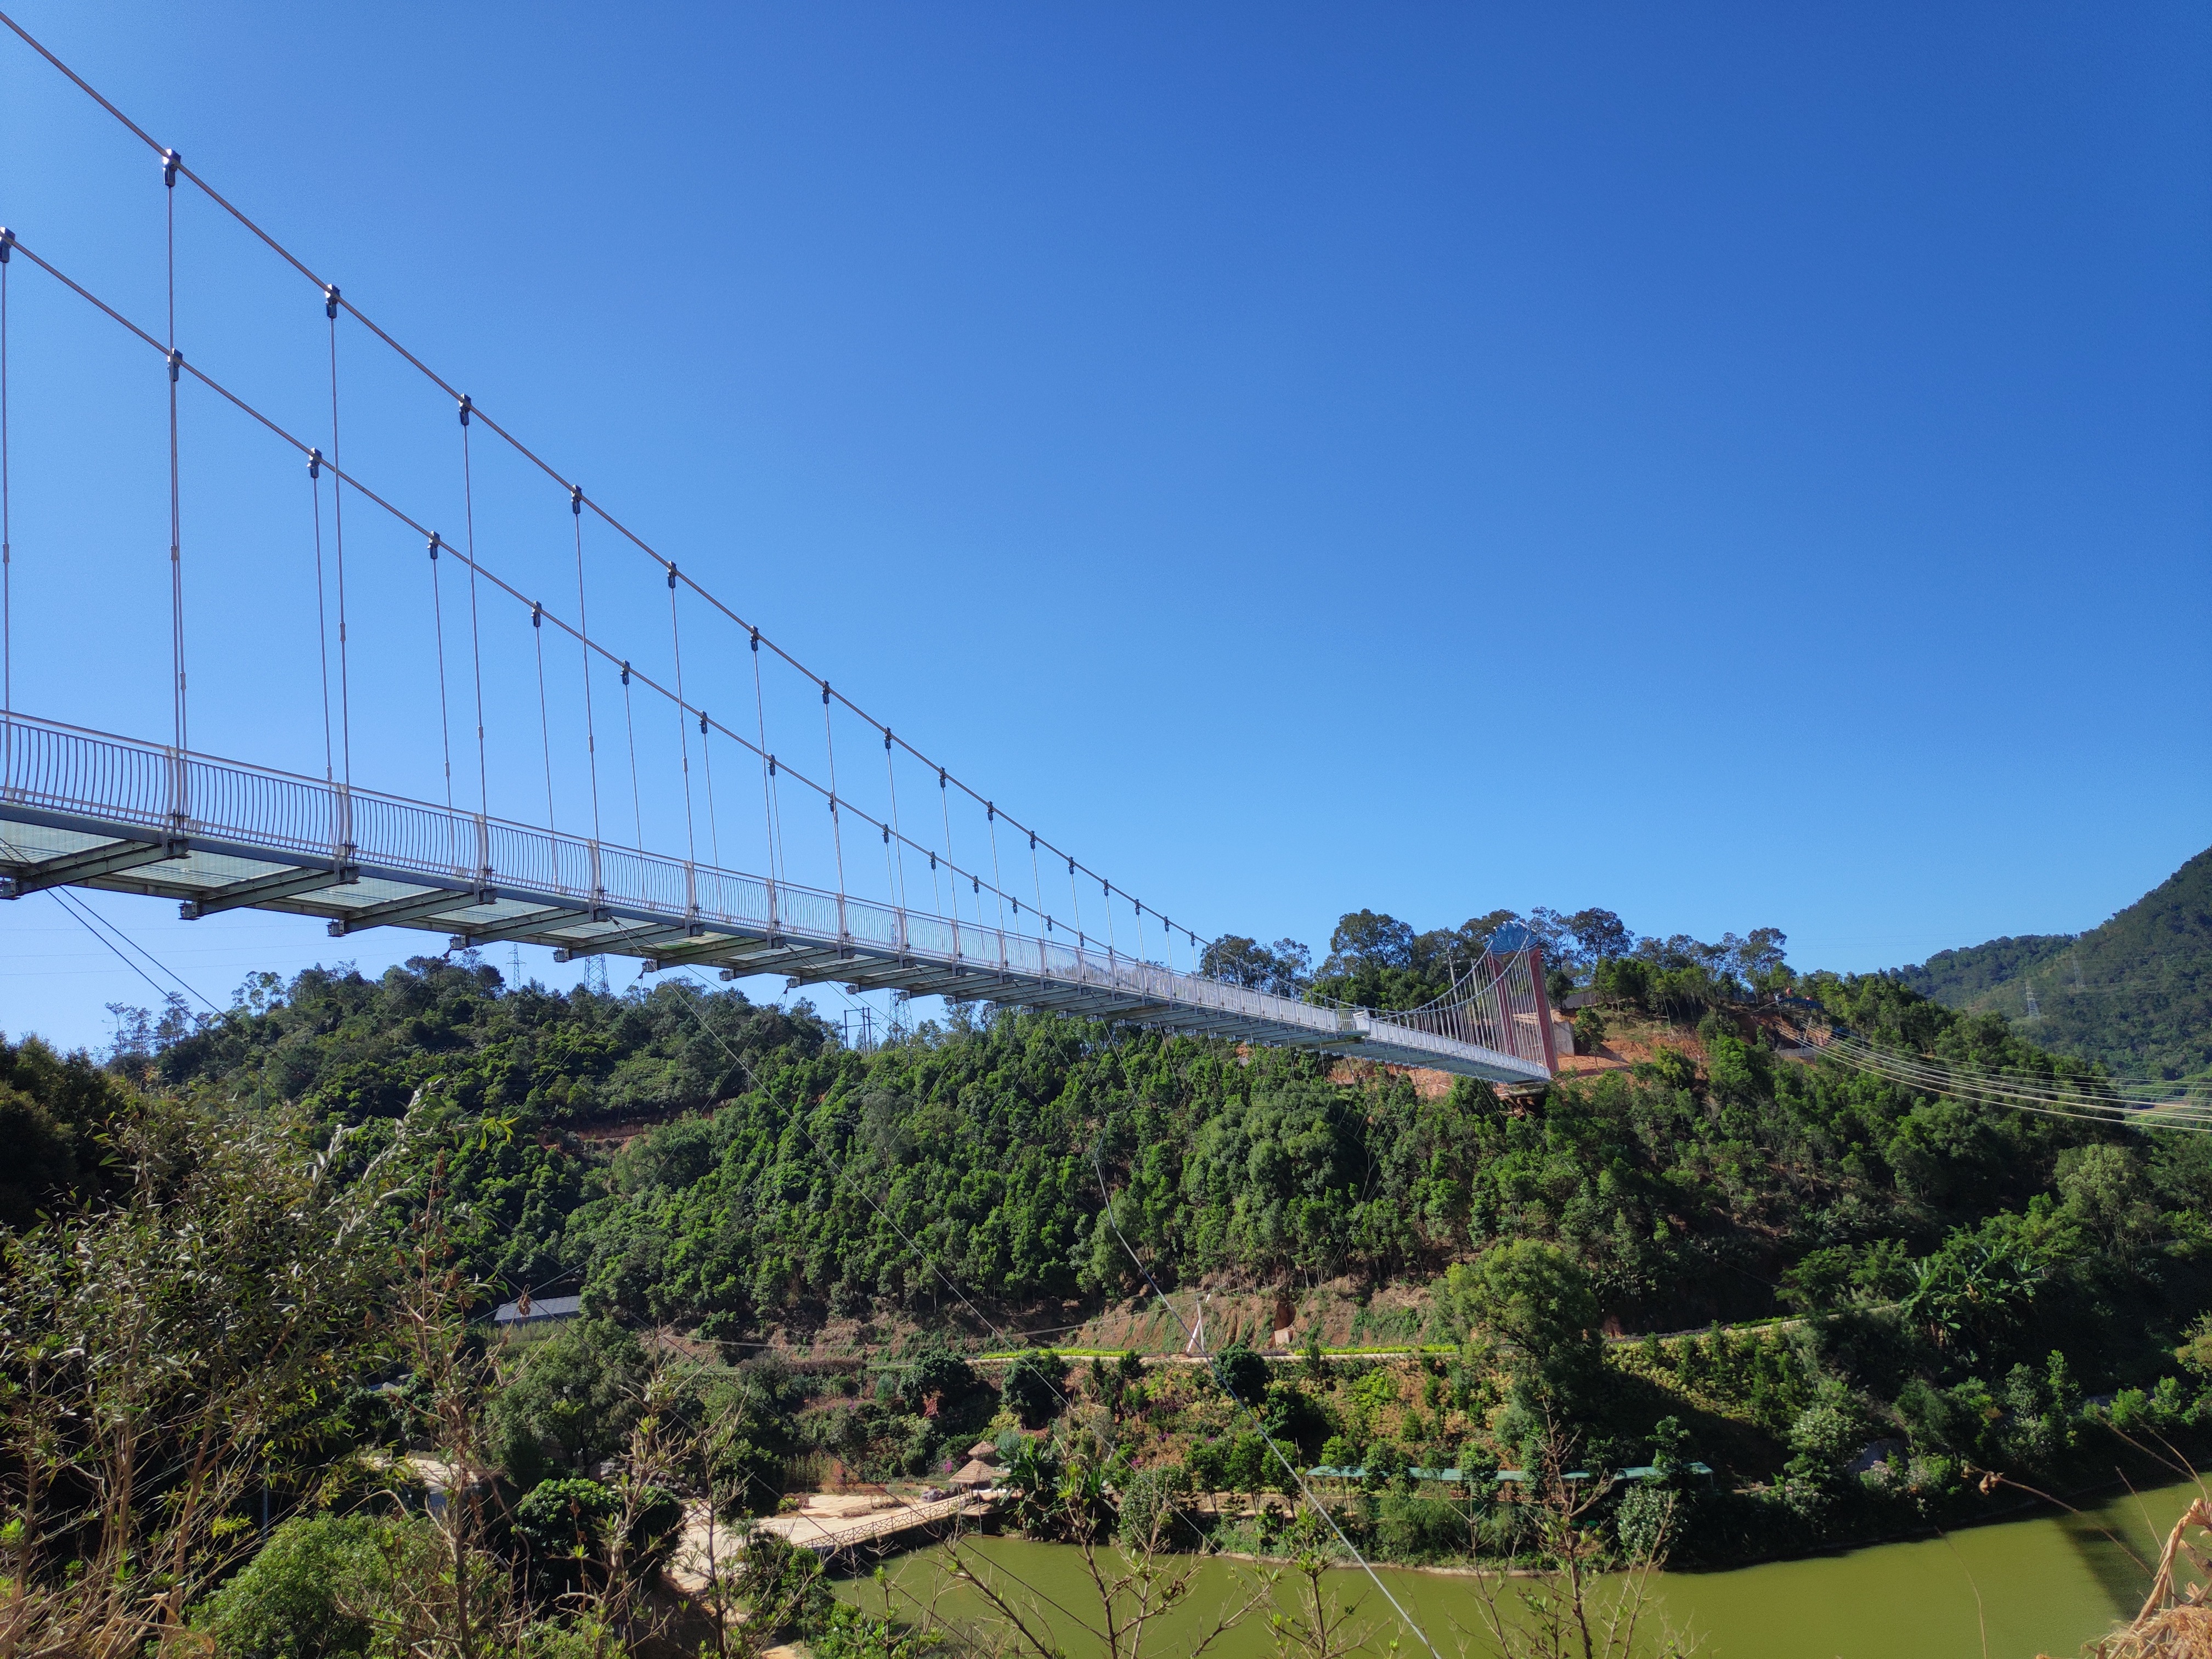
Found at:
[1737, 464]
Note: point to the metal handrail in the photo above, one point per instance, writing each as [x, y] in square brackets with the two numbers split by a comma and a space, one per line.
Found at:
[68, 769]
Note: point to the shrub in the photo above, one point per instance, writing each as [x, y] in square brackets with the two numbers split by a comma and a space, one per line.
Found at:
[1410, 1529]
[1033, 1385]
[1243, 1373]
[1207, 1462]
[571, 1402]
[564, 1523]
[781, 1585]
[1643, 1521]
[1148, 1510]
[306, 1595]
[561, 1523]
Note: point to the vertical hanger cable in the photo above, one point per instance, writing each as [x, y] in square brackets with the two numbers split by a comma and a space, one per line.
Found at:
[544, 725]
[438, 634]
[337, 533]
[630, 725]
[683, 737]
[322, 614]
[7, 527]
[768, 815]
[836, 831]
[583, 635]
[179, 805]
[476, 635]
[890, 772]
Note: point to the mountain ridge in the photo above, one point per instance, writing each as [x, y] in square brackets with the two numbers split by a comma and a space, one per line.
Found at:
[2133, 993]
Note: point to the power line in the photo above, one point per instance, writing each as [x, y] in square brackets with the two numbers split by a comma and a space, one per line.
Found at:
[93, 923]
[2187, 1113]
[1213, 1364]
[839, 1172]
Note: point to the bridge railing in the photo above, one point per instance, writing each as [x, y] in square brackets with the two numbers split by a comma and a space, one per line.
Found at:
[109, 780]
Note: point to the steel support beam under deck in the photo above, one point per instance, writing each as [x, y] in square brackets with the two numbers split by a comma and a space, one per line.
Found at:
[74, 868]
[395, 913]
[262, 889]
[498, 928]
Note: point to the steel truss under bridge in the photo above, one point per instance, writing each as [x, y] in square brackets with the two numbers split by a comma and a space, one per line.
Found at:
[84, 809]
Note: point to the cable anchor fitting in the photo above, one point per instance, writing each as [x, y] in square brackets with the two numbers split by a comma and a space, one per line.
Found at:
[330, 301]
[576, 500]
[990, 812]
[6, 242]
[434, 547]
[887, 740]
[176, 363]
[625, 672]
[536, 614]
[771, 766]
[467, 409]
[170, 162]
[757, 641]
[702, 722]
[315, 464]
[825, 694]
[671, 576]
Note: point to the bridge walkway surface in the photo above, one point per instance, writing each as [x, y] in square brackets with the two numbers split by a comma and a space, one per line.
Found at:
[85, 809]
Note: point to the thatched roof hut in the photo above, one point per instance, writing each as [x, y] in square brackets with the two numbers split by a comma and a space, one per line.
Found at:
[985, 1451]
[974, 1474]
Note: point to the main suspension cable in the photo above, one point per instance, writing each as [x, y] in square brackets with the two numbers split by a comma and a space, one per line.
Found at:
[476, 569]
[332, 292]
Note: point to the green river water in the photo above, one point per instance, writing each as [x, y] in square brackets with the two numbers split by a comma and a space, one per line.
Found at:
[2010, 1591]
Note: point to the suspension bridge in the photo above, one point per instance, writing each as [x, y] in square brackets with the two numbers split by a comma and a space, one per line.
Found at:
[153, 815]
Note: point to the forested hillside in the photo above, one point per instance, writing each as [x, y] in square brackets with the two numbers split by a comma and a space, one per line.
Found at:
[2134, 995]
[793, 1257]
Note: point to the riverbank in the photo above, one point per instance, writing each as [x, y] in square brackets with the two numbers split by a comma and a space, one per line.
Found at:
[2008, 1591]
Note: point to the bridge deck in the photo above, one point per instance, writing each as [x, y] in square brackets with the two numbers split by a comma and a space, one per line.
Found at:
[85, 809]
